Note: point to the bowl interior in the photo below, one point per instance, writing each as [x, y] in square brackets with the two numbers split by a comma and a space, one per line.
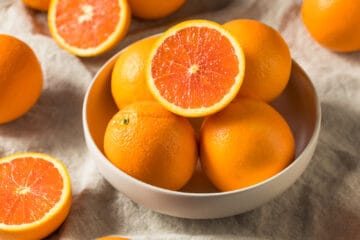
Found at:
[298, 104]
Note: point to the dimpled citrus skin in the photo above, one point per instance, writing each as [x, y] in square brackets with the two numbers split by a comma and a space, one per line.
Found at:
[128, 79]
[267, 59]
[335, 24]
[152, 144]
[244, 144]
[154, 9]
[41, 5]
[21, 78]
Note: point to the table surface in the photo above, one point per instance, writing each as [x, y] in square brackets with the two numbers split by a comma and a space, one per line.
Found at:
[323, 204]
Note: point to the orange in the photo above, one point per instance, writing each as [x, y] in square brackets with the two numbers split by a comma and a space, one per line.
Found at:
[21, 78]
[152, 144]
[199, 183]
[244, 144]
[196, 124]
[112, 238]
[41, 5]
[154, 9]
[334, 24]
[267, 56]
[128, 79]
[88, 27]
[35, 195]
[195, 68]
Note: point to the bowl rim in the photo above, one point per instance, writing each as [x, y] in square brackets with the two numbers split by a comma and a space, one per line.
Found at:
[103, 158]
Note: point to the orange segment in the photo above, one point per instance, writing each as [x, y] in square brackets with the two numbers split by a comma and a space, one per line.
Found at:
[35, 195]
[88, 27]
[196, 68]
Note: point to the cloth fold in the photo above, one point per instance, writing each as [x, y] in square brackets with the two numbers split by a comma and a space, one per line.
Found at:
[323, 204]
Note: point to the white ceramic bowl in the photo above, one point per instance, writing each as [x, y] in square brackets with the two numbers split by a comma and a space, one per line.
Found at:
[298, 104]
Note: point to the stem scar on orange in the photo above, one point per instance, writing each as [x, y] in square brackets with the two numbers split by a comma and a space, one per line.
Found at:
[195, 68]
[88, 27]
[152, 145]
[35, 195]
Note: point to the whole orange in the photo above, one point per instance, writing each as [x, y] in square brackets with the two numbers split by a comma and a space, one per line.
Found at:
[21, 78]
[128, 79]
[154, 9]
[334, 24]
[267, 58]
[152, 144]
[42, 5]
[245, 144]
[112, 238]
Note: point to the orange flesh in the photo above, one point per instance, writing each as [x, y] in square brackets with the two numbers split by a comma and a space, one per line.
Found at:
[87, 23]
[195, 68]
[29, 188]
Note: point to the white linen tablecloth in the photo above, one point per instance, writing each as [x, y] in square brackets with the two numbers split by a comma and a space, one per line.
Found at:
[323, 204]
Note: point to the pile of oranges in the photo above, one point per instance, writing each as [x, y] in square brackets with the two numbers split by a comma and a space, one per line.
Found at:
[200, 91]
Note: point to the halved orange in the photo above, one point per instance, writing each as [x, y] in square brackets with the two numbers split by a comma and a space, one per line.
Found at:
[35, 195]
[195, 68]
[88, 27]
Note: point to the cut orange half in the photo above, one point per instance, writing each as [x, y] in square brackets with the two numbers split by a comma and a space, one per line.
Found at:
[35, 195]
[88, 27]
[195, 68]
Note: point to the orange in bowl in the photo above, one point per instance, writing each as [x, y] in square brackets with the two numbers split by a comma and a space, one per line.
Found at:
[195, 68]
[267, 57]
[128, 79]
[152, 144]
[244, 144]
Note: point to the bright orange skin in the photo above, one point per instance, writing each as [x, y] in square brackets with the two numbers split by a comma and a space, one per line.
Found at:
[152, 144]
[244, 144]
[154, 9]
[335, 24]
[267, 59]
[112, 238]
[21, 78]
[41, 5]
[128, 79]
